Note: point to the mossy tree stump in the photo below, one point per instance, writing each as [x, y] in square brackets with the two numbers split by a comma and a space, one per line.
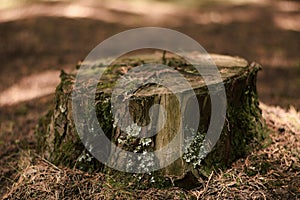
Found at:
[242, 131]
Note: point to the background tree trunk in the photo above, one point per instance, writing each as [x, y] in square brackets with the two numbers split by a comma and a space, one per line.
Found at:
[243, 129]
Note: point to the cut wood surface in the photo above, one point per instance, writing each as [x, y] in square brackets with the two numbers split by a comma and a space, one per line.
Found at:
[243, 129]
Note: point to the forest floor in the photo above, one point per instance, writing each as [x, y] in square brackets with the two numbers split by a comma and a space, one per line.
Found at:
[39, 40]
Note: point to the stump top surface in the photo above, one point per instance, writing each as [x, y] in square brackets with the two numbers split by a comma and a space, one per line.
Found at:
[228, 67]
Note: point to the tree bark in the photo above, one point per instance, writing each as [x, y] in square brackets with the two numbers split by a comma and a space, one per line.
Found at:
[243, 129]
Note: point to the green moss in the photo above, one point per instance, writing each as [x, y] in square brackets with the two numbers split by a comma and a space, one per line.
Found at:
[122, 180]
[41, 131]
[244, 128]
[104, 114]
[22, 110]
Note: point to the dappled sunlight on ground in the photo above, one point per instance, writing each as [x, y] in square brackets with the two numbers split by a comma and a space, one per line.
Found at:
[40, 39]
[288, 22]
[30, 87]
[153, 12]
[127, 13]
[63, 32]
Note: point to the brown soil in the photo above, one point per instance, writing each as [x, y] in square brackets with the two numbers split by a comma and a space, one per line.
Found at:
[41, 38]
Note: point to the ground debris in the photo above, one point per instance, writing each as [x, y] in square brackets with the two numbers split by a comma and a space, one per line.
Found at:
[268, 173]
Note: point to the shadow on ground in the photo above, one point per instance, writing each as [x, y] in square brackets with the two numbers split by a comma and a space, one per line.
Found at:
[51, 37]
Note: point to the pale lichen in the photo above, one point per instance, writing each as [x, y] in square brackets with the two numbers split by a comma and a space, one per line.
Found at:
[194, 151]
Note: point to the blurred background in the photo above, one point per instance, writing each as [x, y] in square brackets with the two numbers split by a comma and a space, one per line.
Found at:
[38, 38]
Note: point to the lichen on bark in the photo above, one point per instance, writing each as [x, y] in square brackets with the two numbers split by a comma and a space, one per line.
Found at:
[243, 129]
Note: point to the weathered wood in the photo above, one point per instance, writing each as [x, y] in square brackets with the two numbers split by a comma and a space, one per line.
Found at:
[243, 130]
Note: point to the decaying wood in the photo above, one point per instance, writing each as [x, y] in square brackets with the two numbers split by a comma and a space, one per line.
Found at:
[243, 129]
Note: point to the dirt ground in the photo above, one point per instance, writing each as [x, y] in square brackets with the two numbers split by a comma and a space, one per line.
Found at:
[37, 41]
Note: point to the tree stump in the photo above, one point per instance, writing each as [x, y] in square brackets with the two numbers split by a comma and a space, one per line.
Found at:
[243, 130]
